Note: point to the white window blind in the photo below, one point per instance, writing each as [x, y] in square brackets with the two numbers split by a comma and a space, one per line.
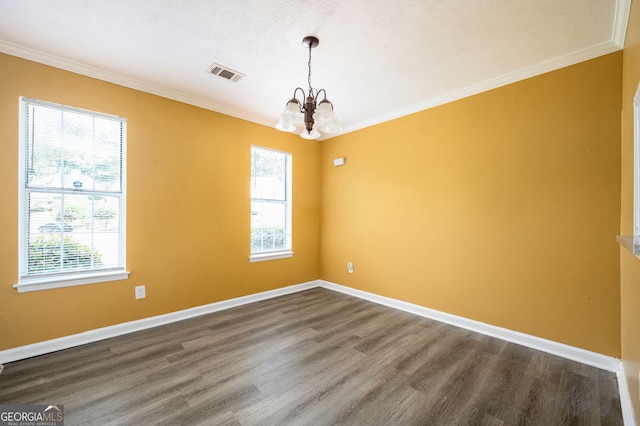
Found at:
[72, 192]
[270, 201]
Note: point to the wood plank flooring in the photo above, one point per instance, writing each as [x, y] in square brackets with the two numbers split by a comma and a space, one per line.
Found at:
[312, 358]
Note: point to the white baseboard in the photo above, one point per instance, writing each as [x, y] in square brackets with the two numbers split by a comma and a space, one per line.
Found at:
[90, 336]
[581, 355]
[625, 397]
[560, 349]
[576, 354]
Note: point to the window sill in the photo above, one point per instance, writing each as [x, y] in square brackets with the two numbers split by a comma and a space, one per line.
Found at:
[68, 280]
[630, 242]
[272, 255]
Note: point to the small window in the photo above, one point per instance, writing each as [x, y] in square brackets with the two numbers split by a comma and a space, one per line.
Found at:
[270, 204]
[72, 198]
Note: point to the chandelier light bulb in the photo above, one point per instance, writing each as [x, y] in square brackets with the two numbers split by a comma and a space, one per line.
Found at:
[331, 128]
[325, 106]
[293, 106]
[312, 134]
[286, 125]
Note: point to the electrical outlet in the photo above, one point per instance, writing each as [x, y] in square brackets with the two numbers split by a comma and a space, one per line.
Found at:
[141, 292]
[350, 267]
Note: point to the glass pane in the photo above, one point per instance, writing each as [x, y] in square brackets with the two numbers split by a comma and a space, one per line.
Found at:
[268, 230]
[72, 150]
[46, 215]
[44, 147]
[107, 170]
[72, 232]
[268, 174]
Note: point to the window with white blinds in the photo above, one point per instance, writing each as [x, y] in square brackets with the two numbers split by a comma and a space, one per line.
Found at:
[270, 204]
[72, 196]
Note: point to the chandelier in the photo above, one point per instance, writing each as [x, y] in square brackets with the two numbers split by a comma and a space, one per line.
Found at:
[317, 116]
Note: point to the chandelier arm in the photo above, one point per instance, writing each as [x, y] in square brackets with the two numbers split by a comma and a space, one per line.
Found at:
[303, 94]
[318, 95]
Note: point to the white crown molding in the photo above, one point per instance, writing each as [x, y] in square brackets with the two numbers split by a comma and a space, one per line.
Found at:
[620, 24]
[122, 80]
[512, 77]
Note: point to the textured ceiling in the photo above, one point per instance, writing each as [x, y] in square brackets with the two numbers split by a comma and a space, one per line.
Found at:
[377, 59]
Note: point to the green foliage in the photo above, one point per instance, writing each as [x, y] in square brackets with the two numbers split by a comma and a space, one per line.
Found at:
[56, 254]
[267, 238]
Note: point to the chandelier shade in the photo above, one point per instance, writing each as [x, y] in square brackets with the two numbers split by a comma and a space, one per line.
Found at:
[316, 116]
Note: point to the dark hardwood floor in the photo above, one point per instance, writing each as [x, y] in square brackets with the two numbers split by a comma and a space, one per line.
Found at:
[312, 358]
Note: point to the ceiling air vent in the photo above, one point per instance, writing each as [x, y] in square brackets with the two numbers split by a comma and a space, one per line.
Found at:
[224, 72]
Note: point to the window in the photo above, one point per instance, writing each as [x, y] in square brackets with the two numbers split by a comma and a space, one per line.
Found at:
[632, 242]
[72, 198]
[270, 204]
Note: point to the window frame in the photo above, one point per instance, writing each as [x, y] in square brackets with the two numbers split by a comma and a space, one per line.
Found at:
[287, 252]
[34, 282]
[636, 170]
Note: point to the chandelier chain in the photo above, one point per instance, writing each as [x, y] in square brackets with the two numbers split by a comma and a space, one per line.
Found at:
[309, 75]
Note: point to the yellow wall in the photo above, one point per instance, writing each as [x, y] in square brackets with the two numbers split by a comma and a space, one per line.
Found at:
[629, 264]
[502, 207]
[188, 210]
